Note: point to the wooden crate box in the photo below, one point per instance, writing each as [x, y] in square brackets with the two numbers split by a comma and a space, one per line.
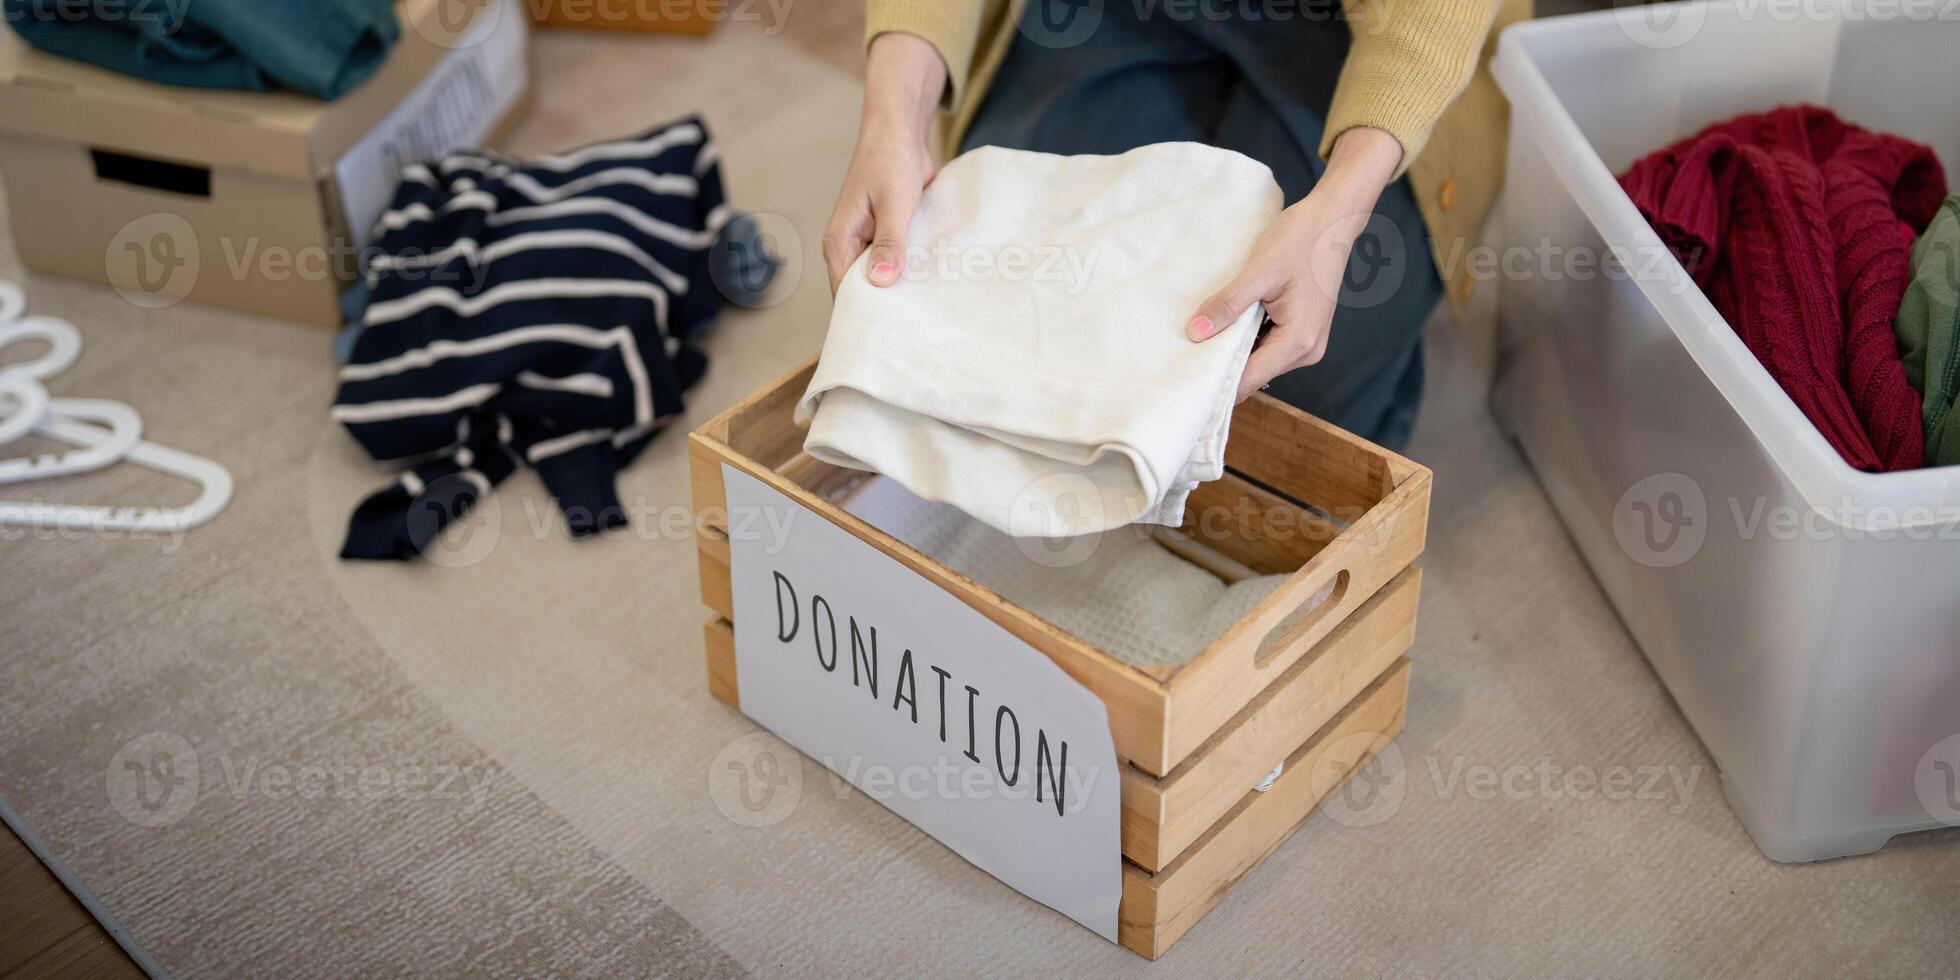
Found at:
[1318, 659]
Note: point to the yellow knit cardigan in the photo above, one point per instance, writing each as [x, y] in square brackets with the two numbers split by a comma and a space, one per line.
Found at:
[1416, 69]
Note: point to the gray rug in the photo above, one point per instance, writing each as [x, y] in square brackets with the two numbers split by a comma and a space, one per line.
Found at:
[508, 765]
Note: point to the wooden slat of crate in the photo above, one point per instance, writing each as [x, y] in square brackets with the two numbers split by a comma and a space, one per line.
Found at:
[1340, 472]
[719, 635]
[1247, 659]
[717, 580]
[1157, 716]
[1158, 909]
[1254, 526]
[1163, 816]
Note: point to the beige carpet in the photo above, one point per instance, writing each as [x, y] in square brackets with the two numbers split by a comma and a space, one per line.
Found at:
[504, 767]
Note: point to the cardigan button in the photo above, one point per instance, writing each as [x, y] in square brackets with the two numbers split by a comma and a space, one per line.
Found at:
[1446, 195]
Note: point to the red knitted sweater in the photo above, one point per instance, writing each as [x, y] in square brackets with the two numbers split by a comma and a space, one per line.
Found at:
[1798, 227]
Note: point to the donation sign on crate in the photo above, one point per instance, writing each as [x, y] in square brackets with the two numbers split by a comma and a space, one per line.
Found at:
[923, 704]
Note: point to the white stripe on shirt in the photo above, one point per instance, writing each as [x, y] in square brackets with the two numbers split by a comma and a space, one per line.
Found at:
[380, 314]
[652, 146]
[678, 185]
[403, 408]
[595, 385]
[576, 207]
[566, 443]
[561, 238]
[441, 350]
[568, 333]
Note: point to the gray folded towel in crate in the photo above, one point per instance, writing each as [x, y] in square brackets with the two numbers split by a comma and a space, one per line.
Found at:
[1120, 591]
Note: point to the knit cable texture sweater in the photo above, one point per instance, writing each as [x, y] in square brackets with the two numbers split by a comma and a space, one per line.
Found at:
[1798, 226]
[1929, 332]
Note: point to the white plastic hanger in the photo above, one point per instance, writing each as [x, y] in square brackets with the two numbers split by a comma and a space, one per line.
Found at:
[22, 394]
[215, 480]
[108, 432]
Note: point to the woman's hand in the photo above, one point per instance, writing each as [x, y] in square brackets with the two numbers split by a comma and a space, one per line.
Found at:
[903, 79]
[1297, 266]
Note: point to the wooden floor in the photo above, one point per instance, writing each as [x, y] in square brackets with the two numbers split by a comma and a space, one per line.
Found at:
[44, 932]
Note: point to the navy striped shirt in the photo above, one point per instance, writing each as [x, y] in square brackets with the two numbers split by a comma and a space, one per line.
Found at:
[529, 313]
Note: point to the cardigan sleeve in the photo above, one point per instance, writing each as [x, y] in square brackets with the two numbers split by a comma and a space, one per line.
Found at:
[952, 27]
[1409, 61]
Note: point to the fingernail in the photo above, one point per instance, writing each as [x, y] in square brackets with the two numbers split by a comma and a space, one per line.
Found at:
[1200, 328]
[882, 271]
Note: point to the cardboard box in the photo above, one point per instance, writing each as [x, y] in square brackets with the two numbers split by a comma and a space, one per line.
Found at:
[252, 201]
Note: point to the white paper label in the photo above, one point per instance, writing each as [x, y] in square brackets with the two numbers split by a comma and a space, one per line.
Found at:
[452, 108]
[925, 705]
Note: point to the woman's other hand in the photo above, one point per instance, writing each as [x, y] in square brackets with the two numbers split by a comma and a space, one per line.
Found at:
[903, 80]
[1299, 263]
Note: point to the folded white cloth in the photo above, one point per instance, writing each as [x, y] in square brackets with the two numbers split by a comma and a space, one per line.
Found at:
[1120, 592]
[1031, 368]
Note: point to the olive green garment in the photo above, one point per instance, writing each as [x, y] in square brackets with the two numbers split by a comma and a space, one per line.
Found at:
[1928, 328]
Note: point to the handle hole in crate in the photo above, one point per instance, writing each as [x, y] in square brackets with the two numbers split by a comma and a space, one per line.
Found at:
[151, 173]
[1303, 619]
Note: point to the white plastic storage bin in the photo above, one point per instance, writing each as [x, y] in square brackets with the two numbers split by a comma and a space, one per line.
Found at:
[1805, 615]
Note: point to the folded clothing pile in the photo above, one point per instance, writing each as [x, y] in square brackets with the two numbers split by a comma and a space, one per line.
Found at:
[320, 47]
[1120, 591]
[1031, 366]
[1929, 332]
[1798, 226]
[530, 313]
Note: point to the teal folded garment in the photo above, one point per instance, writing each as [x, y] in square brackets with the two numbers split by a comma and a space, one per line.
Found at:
[320, 47]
